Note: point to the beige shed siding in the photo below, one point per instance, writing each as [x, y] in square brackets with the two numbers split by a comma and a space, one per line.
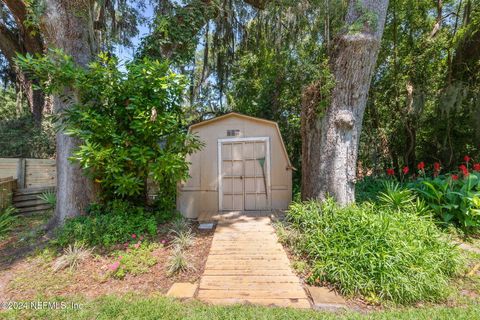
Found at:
[200, 192]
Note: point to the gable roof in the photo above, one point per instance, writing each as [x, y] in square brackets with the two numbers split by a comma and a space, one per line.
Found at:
[243, 116]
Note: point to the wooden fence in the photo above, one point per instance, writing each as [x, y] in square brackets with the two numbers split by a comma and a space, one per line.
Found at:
[7, 186]
[29, 173]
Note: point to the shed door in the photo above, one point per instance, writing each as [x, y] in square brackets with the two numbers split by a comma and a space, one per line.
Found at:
[244, 183]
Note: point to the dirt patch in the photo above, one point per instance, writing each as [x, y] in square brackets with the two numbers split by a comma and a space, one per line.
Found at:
[32, 277]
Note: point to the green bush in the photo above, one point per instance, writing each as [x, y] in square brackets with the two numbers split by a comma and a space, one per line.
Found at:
[131, 123]
[375, 251]
[452, 199]
[107, 225]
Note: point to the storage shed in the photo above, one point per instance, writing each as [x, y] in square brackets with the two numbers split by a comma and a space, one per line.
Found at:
[243, 166]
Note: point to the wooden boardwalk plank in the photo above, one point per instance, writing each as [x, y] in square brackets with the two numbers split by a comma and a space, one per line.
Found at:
[246, 264]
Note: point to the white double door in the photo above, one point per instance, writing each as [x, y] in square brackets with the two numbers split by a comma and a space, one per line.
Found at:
[244, 173]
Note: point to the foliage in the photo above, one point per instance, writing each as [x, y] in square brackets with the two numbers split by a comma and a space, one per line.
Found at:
[178, 262]
[368, 188]
[137, 259]
[378, 252]
[275, 67]
[176, 30]
[72, 256]
[50, 197]
[131, 124]
[107, 225]
[6, 220]
[452, 201]
[421, 103]
[19, 136]
[182, 239]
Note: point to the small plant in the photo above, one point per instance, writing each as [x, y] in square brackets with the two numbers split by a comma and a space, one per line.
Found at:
[182, 239]
[49, 197]
[396, 197]
[178, 262]
[72, 256]
[6, 220]
[179, 224]
[136, 260]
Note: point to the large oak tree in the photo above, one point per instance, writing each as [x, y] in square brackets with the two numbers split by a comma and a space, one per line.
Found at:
[331, 136]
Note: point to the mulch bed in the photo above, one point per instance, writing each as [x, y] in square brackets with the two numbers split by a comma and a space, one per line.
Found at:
[33, 277]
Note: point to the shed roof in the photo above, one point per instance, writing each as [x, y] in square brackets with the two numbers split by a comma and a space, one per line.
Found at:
[243, 116]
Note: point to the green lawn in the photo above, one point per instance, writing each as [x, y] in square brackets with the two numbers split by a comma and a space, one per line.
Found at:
[131, 307]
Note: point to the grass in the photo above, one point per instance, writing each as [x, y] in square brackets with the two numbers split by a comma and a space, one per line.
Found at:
[378, 252]
[132, 306]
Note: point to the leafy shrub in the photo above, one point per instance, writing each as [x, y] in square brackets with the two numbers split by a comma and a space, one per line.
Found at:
[452, 200]
[107, 225]
[131, 124]
[136, 260]
[379, 252]
[6, 220]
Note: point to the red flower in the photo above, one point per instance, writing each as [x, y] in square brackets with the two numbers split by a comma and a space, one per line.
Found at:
[454, 177]
[476, 166]
[467, 159]
[390, 172]
[421, 166]
[134, 236]
[464, 170]
[436, 166]
[405, 170]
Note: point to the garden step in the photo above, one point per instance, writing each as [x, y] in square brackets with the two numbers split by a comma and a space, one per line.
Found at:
[30, 191]
[29, 203]
[26, 197]
[35, 209]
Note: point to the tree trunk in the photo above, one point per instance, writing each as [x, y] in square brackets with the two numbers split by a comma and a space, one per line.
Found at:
[67, 25]
[23, 40]
[331, 136]
[35, 98]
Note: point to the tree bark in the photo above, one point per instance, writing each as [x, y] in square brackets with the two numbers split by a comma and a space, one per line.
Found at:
[68, 25]
[331, 137]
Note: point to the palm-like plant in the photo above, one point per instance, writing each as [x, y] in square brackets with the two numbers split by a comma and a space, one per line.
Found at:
[49, 197]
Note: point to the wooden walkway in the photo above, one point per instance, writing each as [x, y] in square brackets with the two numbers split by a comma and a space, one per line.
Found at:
[246, 264]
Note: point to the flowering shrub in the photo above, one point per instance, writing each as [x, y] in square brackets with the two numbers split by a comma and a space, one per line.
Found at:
[453, 197]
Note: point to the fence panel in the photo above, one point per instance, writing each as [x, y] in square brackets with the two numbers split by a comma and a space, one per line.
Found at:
[29, 173]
